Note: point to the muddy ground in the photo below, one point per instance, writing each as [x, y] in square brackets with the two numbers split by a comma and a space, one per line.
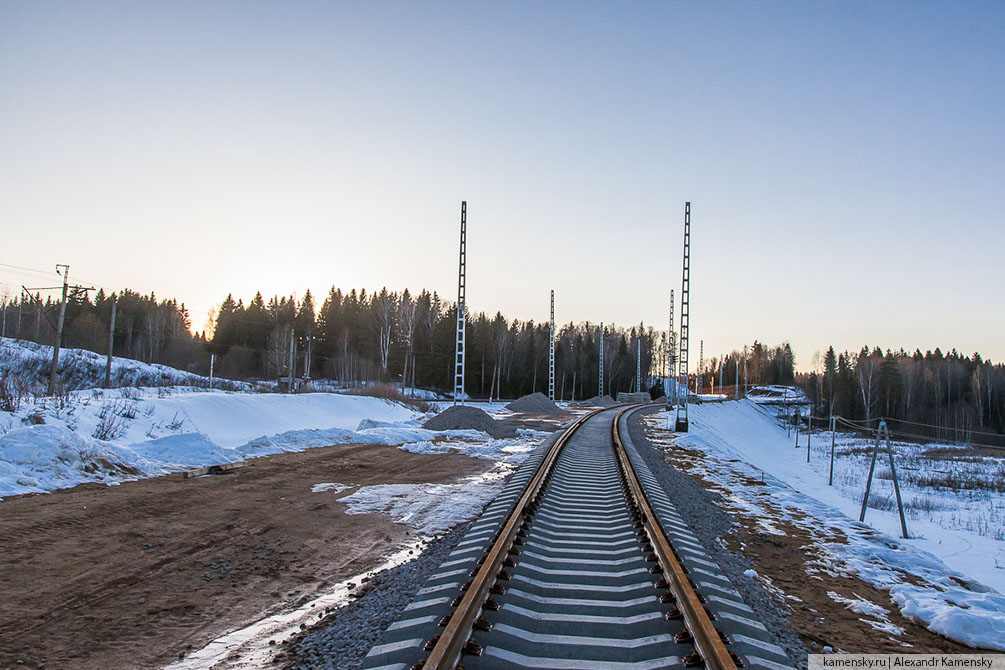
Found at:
[132, 576]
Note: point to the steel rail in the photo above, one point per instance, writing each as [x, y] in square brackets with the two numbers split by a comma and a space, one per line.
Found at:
[707, 641]
[447, 650]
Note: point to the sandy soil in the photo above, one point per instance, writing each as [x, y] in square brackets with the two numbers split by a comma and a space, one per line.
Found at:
[781, 563]
[134, 575]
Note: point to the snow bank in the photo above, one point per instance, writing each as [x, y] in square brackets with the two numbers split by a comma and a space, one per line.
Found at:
[109, 436]
[232, 419]
[83, 369]
[105, 436]
[43, 458]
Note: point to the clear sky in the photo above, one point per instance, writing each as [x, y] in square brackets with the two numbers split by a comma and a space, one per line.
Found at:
[844, 160]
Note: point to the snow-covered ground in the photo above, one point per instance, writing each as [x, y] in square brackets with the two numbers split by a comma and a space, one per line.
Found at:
[117, 435]
[83, 369]
[431, 509]
[955, 507]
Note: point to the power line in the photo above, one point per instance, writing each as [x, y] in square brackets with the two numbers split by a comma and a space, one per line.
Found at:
[929, 438]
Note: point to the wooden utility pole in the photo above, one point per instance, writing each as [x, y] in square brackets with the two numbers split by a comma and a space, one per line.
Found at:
[111, 343]
[289, 379]
[307, 358]
[736, 383]
[59, 328]
[809, 434]
[720, 375]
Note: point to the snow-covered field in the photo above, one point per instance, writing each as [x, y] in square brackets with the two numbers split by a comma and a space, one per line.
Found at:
[955, 507]
[122, 434]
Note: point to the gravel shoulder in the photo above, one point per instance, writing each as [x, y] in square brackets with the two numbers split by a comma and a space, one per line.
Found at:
[713, 526]
[137, 574]
[793, 604]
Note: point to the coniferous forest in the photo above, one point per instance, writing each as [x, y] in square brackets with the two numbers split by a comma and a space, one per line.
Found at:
[932, 395]
[351, 338]
[357, 337]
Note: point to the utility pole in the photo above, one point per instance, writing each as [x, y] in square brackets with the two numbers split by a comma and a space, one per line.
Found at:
[601, 393]
[76, 290]
[307, 358]
[830, 477]
[111, 344]
[59, 328]
[745, 372]
[701, 366]
[736, 384]
[289, 378]
[720, 374]
[809, 434]
[212, 361]
[461, 308]
[551, 352]
[638, 365]
[672, 360]
[682, 419]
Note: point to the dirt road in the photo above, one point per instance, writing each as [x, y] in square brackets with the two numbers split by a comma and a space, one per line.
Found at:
[133, 575]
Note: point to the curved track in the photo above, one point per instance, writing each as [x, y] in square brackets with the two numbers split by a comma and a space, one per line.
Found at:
[581, 563]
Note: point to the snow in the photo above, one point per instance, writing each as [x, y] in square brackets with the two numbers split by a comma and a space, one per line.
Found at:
[110, 436]
[329, 486]
[159, 431]
[945, 576]
[431, 509]
[82, 369]
[232, 419]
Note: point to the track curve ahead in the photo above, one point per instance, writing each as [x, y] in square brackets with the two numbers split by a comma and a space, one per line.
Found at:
[582, 563]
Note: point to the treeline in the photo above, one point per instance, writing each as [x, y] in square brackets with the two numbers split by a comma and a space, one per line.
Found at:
[146, 329]
[753, 365]
[932, 395]
[357, 337]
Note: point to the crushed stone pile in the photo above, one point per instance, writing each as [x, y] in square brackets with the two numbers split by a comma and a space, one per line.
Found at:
[465, 417]
[535, 403]
[601, 401]
[633, 398]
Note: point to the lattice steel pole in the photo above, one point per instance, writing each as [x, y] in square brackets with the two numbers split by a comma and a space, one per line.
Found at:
[601, 393]
[700, 382]
[461, 309]
[551, 351]
[671, 367]
[682, 420]
[638, 365]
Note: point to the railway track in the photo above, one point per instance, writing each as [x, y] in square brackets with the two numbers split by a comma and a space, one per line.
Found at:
[581, 563]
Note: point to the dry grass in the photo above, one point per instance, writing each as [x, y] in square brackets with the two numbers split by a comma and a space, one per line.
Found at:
[388, 392]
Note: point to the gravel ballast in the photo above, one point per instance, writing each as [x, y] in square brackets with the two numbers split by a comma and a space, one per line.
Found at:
[601, 401]
[534, 403]
[343, 640]
[710, 524]
[463, 417]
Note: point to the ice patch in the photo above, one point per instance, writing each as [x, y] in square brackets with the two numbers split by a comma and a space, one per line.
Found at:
[431, 509]
[329, 486]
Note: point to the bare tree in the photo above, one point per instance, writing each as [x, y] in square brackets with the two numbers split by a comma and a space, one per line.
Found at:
[407, 321]
[382, 308]
[866, 369]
